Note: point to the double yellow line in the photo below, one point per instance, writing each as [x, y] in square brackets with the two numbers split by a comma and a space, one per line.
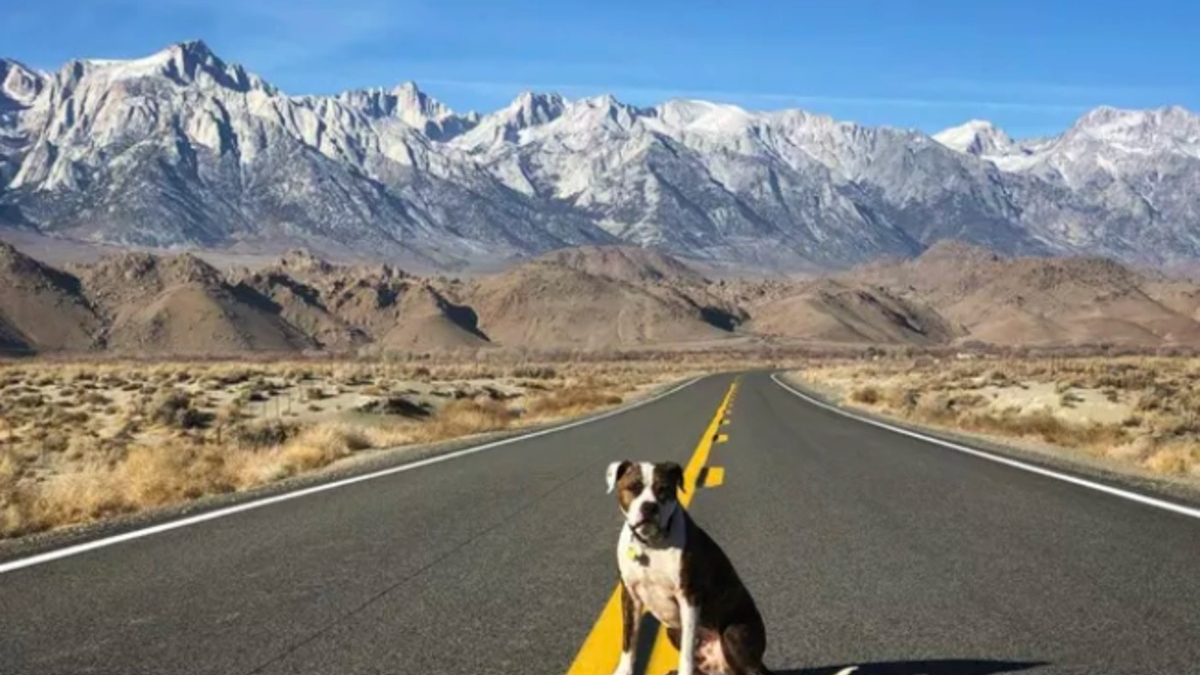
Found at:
[602, 648]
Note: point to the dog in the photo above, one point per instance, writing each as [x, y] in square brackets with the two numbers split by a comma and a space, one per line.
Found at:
[673, 569]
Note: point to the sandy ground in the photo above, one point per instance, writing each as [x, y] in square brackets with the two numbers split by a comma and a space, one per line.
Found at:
[1131, 416]
[1086, 406]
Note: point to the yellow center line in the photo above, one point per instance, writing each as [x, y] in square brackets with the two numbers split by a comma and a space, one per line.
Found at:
[714, 476]
[663, 656]
[602, 648]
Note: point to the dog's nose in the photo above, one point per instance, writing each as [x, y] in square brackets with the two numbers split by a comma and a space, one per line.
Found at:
[649, 509]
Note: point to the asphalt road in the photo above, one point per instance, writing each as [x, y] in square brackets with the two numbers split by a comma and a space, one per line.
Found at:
[862, 547]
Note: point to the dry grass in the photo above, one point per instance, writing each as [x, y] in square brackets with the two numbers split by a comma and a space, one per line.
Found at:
[81, 442]
[1139, 411]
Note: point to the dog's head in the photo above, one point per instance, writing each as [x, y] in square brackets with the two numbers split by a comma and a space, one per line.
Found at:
[647, 493]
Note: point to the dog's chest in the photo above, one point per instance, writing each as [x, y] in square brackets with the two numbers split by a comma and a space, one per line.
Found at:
[654, 576]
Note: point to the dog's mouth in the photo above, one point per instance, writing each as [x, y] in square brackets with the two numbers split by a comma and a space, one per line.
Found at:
[648, 528]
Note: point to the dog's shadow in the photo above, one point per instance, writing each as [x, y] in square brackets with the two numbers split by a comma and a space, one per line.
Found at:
[649, 630]
[924, 667]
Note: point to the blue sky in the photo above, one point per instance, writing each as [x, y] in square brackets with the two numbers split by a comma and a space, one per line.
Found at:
[1032, 67]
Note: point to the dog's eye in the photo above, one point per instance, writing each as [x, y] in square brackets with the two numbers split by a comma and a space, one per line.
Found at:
[636, 487]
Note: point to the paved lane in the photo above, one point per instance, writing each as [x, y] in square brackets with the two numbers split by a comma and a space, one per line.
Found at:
[493, 563]
[869, 547]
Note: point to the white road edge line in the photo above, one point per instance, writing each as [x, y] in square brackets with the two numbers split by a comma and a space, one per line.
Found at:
[1065, 477]
[104, 542]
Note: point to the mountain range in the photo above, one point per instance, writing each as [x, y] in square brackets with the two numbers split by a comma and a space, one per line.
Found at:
[583, 298]
[183, 150]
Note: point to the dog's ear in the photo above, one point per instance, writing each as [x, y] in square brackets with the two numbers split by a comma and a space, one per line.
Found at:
[674, 474]
[614, 473]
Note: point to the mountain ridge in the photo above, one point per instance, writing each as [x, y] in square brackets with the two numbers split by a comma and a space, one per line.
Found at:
[181, 149]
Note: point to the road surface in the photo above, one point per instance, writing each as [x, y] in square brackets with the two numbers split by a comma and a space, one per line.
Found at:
[863, 548]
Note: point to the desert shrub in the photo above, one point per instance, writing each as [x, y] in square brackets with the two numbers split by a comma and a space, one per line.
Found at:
[1069, 399]
[82, 445]
[233, 377]
[378, 389]
[571, 400]
[1178, 425]
[321, 445]
[30, 401]
[263, 434]
[10, 467]
[175, 409]
[72, 417]
[314, 394]
[903, 399]
[535, 372]
[1158, 397]
[464, 417]
[1045, 426]
[95, 398]
[1175, 459]
[868, 395]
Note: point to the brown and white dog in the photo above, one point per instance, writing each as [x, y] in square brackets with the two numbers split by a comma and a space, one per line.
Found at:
[673, 569]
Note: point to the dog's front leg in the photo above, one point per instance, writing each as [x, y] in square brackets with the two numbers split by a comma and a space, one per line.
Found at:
[689, 619]
[631, 617]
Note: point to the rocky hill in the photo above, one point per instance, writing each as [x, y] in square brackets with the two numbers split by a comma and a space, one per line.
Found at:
[594, 298]
[1042, 301]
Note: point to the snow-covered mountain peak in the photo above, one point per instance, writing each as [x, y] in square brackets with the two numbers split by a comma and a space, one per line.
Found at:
[411, 106]
[1107, 120]
[704, 116]
[977, 137]
[528, 110]
[599, 113]
[185, 63]
[531, 109]
[411, 98]
[1115, 133]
